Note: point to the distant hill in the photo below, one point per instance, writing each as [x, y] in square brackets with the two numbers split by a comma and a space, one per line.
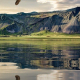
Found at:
[67, 21]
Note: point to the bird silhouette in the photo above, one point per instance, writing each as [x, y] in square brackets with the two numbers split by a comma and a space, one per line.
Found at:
[17, 77]
[17, 2]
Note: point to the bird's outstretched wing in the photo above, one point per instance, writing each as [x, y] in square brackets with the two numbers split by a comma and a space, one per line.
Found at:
[17, 2]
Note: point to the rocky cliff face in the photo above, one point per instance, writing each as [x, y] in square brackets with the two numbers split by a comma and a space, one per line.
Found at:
[67, 21]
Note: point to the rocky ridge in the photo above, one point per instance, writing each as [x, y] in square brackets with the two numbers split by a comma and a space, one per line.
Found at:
[67, 21]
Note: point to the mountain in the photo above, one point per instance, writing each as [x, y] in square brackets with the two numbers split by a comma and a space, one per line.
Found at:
[72, 26]
[67, 21]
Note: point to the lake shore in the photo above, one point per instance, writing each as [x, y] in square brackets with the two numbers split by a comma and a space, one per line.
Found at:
[42, 35]
[28, 37]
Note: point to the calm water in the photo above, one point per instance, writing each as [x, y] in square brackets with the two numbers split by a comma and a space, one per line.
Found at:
[43, 58]
[40, 55]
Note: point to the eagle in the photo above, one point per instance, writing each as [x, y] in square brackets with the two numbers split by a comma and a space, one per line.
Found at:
[17, 2]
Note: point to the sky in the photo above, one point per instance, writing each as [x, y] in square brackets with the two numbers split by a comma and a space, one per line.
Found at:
[9, 7]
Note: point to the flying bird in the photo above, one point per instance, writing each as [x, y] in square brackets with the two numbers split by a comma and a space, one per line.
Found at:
[17, 77]
[17, 2]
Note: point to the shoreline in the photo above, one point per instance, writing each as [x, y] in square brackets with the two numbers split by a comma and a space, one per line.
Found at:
[38, 38]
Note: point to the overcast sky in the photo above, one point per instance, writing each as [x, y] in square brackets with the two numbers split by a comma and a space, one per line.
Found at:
[8, 6]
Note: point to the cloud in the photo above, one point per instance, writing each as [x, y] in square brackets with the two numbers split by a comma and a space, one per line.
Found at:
[26, 6]
[61, 4]
[52, 2]
[8, 6]
[45, 1]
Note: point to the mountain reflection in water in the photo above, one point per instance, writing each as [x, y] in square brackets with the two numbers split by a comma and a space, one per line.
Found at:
[8, 65]
[40, 56]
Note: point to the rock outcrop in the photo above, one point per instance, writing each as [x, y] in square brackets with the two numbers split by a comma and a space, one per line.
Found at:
[72, 26]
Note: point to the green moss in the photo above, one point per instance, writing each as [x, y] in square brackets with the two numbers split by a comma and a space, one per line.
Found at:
[4, 27]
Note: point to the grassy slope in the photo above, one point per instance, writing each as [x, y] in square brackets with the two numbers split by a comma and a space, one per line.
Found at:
[44, 35]
[55, 35]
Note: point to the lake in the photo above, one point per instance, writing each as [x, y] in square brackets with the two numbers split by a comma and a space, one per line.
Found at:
[39, 60]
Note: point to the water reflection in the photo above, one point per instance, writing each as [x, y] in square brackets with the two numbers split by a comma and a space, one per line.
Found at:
[40, 74]
[8, 65]
[40, 56]
[60, 75]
